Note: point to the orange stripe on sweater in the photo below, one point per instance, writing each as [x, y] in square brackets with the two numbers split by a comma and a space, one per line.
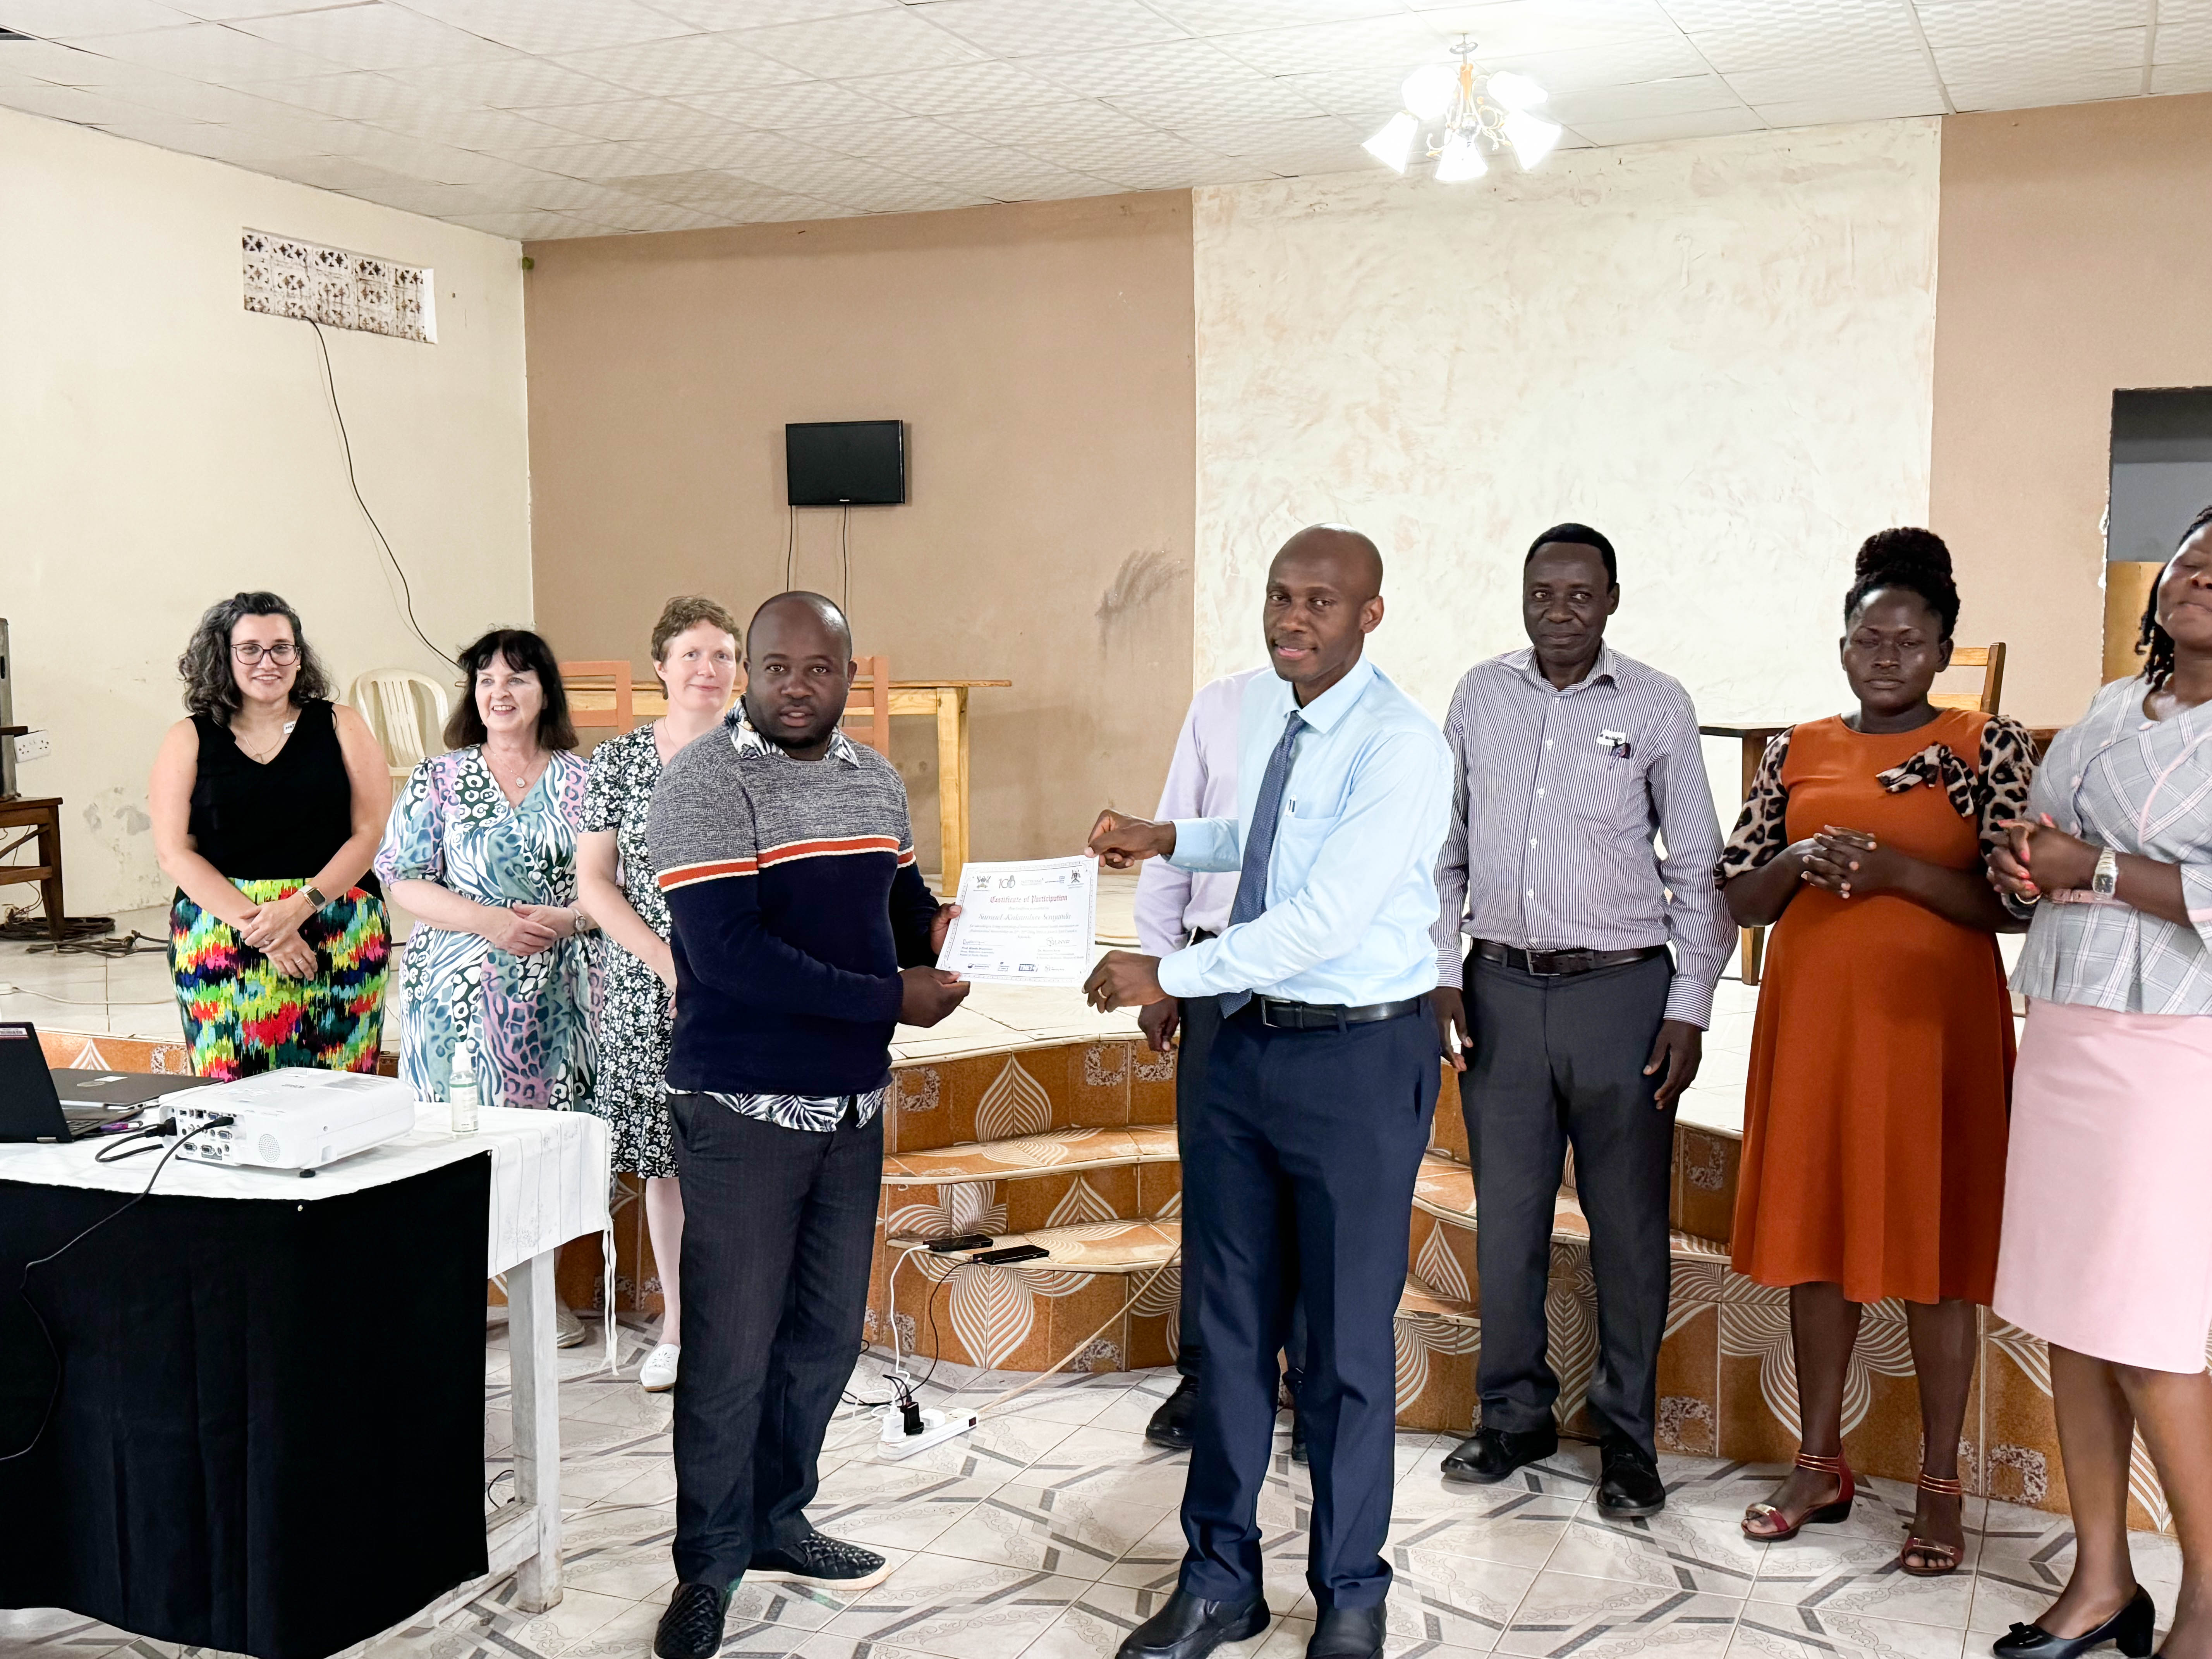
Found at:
[683, 875]
[838, 847]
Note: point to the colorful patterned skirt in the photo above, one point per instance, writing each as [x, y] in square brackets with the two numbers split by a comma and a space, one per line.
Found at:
[241, 1016]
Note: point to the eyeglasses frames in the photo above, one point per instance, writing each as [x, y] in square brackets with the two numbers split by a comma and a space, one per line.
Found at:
[284, 654]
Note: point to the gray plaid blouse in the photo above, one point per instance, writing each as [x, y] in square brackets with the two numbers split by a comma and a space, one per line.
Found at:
[2139, 785]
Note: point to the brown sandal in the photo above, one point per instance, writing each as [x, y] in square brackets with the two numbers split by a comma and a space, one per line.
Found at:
[1828, 1514]
[1948, 1555]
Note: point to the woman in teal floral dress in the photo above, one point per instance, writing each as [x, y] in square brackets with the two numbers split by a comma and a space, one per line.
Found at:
[481, 849]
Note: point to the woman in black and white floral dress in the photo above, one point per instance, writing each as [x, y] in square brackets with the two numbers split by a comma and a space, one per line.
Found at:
[694, 652]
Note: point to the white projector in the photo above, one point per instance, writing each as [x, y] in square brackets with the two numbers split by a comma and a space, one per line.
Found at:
[297, 1118]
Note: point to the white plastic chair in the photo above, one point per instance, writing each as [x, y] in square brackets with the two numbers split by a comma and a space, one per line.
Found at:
[393, 701]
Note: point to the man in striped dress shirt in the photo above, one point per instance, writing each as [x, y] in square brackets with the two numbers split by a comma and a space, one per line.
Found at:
[1575, 1027]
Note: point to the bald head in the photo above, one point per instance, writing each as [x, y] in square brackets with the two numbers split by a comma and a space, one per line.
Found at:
[1356, 561]
[1324, 597]
[822, 608]
[799, 666]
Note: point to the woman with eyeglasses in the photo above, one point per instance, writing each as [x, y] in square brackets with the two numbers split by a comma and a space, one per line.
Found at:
[267, 806]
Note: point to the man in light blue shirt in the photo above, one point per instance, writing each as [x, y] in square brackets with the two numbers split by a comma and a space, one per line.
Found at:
[1299, 1165]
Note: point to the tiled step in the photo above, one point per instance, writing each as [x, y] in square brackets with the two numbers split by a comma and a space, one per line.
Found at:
[1019, 1157]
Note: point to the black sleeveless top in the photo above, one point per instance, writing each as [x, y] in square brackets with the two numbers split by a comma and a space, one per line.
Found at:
[281, 822]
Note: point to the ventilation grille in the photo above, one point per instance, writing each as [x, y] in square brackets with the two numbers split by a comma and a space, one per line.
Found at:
[288, 277]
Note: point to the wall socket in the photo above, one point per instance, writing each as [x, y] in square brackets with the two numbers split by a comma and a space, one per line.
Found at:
[33, 745]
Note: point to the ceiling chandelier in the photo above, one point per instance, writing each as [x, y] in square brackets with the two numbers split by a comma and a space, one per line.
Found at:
[1459, 121]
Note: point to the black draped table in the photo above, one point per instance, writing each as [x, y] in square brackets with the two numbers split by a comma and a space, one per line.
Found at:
[268, 1432]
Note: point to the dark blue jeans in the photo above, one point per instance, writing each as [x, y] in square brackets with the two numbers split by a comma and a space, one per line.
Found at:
[1298, 1186]
[778, 1225]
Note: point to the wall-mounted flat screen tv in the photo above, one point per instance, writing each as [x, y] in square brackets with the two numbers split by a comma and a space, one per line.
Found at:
[845, 463]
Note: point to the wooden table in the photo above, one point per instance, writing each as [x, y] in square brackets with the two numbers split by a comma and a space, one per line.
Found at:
[1754, 738]
[40, 819]
[943, 700]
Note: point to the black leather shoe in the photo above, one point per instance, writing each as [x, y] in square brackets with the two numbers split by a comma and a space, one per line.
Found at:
[1348, 1633]
[1170, 1424]
[1298, 1453]
[2134, 1628]
[692, 1626]
[1628, 1482]
[1488, 1455]
[1188, 1628]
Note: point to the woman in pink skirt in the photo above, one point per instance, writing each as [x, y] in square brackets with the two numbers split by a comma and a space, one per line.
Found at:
[2107, 1242]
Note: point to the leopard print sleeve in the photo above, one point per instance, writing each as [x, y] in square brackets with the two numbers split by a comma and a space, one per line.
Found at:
[1761, 833]
[2007, 768]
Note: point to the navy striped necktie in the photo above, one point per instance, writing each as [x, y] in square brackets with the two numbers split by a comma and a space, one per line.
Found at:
[1260, 844]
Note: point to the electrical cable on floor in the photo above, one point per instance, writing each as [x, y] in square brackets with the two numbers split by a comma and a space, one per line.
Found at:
[329, 381]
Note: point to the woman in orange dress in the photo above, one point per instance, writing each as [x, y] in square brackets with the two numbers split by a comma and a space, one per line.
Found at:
[1874, 1121]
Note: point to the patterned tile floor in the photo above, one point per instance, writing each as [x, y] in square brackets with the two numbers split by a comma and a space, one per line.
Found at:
[1050, 1532]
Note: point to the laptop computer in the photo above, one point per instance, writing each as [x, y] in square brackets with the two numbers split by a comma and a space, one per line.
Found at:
[31, 1107]
[77, 1087]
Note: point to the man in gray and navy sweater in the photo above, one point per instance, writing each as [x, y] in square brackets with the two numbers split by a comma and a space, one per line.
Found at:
[802, 936]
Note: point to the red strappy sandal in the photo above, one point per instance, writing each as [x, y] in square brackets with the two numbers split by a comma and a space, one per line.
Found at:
[1947, 1556]
[1826, 1515]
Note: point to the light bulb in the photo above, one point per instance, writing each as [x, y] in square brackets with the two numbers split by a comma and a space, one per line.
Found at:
[1394, 143]
[1532, 137]
[1428, 90]
[1460, 158]
[1515, 91]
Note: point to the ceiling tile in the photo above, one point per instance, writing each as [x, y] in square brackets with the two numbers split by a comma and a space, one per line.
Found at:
[1880, 83]
[210, 52]
[1651, 128]
[1004, 175]
[875, 43]
[538, 226]
[84, 20]
[2008, 88]
[1366, 94]
[1826, 112]
[890, 141]
[785, 207]
[1242, 16]
[1169, 66]
[65, 66]
[1262, 138]
[1256, 100]
[338, 173]
[629, 118]
[959, 87]
[1655, 58]
[535, 26]
[694, 187]
[603, 159]
[715, 15]
[222, 11]
[1399, 42]
[1074, 121]
[2182, 77]
[476, 129]
[662, 216]
[1509, 27]
[1681, 94]
[1309, 164]
[673, 69]
[372, 37]
[1741, 35]
[359, 95]
[198, 100]
[516, 82]
[571, 196]
[891, 195]
[795, 104]
[86, 109]
[1023, 28]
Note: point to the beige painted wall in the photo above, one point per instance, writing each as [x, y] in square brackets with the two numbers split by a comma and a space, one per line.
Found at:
[2076, 259]
[1040, 355]
[1717, 350]
[165, 448]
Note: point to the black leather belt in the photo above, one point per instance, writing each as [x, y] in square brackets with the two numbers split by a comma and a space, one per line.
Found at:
[1557, 964]
[1278, 1015]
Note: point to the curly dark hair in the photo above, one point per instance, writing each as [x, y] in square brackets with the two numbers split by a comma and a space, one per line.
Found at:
[211, 683]
[1912, 559]
[525, 652]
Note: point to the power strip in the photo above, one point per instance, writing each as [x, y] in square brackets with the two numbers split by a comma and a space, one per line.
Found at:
[937, 1428]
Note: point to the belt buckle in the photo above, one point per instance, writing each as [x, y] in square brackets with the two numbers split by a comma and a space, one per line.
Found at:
[1264, 1020]
[1563, 963]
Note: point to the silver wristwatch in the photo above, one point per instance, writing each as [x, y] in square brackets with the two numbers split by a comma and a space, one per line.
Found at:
[2107, 881]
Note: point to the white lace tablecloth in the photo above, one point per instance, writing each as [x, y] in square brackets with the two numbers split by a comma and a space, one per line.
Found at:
[549, 1174]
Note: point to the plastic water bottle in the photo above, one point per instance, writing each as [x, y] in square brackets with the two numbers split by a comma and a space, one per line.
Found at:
[461, 1093]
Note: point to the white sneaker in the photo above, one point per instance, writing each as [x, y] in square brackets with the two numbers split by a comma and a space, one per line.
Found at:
[568, 1329]
[658, 1374]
